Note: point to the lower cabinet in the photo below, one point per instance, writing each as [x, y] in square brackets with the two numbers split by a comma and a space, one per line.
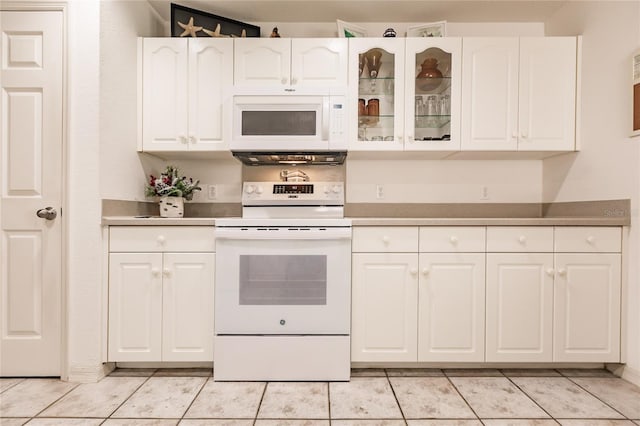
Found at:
[160, 302]
[525, 294]
[384, 312]
[519, 307]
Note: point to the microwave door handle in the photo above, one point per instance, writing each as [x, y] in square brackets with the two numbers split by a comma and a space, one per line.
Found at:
[325, 118]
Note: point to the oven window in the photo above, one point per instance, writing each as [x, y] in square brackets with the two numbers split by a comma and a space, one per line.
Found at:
[279, 123]
[283, 280]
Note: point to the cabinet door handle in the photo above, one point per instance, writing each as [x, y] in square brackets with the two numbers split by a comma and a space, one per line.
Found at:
[193, 139]
[591, 239]
[550, 272]
[183, 139]
[413, 271]
[525, 135]
[155, 272]
[161, 239]
[562, 272]
[386, 239]
[425, 271]
[514, 135]
[284, 80]
[453, 239]
[410, 138]
[294, 80]
[166, 272]
[522, 239]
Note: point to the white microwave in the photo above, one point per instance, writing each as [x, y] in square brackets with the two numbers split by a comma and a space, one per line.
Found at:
[290, 121]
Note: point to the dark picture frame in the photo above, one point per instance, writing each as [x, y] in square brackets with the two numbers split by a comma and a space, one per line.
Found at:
[228, 27]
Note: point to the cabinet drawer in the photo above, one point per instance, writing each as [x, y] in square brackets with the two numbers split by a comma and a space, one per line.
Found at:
[452, 239]
[372, 239]
[588, 239]
[161, 238]
[520, 239]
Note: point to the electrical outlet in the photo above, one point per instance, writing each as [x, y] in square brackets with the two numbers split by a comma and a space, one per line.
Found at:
[379, 192]
[212, 192]
[484, 193]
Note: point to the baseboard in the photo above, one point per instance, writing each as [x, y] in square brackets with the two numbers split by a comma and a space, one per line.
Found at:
[630, 374]
[89, 373]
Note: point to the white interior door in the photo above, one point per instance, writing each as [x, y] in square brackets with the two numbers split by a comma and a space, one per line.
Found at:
[31, 179]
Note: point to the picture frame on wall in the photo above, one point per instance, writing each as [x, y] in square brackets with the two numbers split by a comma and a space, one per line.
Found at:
[431, 29]
[212, 25]
[347, 29]
[635, 69]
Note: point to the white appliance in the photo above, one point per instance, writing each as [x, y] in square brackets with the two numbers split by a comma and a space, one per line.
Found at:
[283, 285]
[298, 121]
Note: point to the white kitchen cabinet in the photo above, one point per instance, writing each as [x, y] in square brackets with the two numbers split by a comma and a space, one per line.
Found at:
[160, 302]
[519, 307]
[376, 94]
[384, 307]
[290, 63]
[519, 94]
[432, 103]
[184, 107]
[587, 291]
[451, 307]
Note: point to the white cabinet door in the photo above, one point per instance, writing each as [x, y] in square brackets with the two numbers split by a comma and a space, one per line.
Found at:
[320, 62]
[187, 317]
[164, 94]
[135, 306]
[384, 307]
[490, 92]
[210, 76]
[380, 87]
[264, 62]
[432, 104]
[519, 307]
[547, 94]
[587, 308]
[451, 308]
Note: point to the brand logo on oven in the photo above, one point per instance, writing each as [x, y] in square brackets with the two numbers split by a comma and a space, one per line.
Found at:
[292, 196]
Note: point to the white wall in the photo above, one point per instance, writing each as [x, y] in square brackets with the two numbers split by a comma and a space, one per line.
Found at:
[607, 166]
[83, 212]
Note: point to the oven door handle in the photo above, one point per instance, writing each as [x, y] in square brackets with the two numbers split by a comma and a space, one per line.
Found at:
[267, 233]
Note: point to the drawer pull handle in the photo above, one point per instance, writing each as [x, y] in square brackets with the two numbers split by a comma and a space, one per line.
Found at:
[413, 271]
[562, 272]
[550, 272]
[522, 239]
[183, 139]
[386, 239]
[166, 272]
[591, 239]
[425, 271]
[161, 239]
[155, 272]
[453, 239]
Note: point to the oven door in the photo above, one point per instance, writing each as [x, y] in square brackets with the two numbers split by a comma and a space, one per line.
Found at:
[283, 281]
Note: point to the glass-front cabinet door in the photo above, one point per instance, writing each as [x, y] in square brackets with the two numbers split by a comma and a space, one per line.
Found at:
[432, 93]
[376, 86]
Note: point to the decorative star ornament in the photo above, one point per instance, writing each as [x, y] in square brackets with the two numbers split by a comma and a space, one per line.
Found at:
[215, 33]
[189, 28]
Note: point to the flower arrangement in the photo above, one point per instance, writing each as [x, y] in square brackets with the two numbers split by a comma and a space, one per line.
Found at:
[171, 184]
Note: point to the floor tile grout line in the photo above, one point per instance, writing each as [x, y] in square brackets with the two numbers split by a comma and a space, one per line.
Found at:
[195, 397]
[463, 398]
[532, 399]
[598, 398]
[58, 399]
[329, 400]
[20, 380]
[264, 392]
[396, 397]
[129, 397]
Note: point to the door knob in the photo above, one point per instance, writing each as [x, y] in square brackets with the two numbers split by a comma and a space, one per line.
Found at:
[48, 213]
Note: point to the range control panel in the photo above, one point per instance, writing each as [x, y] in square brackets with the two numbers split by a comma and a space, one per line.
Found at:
[293, 193]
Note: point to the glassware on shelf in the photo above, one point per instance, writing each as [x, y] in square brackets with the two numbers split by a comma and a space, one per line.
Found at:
[430, 77]
[374, 60]
[444, 105]
[362, 61]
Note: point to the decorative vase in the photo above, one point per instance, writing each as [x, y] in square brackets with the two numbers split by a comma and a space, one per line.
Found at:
[171, 207]
[430, 77]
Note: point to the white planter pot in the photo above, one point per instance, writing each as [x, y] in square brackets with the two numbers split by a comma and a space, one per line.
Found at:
[171, 207]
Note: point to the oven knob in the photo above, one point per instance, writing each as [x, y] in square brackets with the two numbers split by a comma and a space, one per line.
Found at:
[326, 189]
[249, 189]
[335, 188]
[259, 190]
[282, 322]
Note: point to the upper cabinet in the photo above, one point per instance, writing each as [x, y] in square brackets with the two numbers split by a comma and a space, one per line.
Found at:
[376, 93]
[405, 94]
[290, 63]
[519, 94]
[183, 86]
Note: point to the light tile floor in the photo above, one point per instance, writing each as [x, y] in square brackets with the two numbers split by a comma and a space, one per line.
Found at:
[388, 397]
